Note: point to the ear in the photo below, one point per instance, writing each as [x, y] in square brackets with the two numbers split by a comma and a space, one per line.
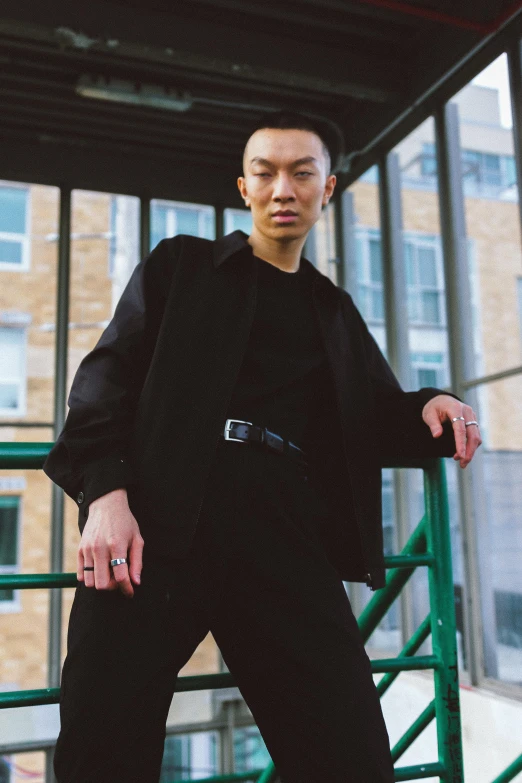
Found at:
[329, 187]
[241, 183]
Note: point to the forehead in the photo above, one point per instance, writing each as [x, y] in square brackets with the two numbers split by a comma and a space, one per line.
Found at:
[282, 146]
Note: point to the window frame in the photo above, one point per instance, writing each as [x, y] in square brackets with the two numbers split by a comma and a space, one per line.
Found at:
[25, 265]
[22, 407]
[13, 605]
[433, 242]
[171, 222]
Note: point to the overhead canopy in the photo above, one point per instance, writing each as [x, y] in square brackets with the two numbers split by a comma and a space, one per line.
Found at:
[178, 84]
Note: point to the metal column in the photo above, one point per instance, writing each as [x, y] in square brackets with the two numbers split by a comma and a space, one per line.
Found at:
[515, 84]
[219, 218]
[57, 503]
[145, 247]
[471, 483]
[345, 240]
[397, 341]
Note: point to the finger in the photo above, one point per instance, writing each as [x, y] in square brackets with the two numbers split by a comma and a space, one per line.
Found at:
[121, 575]
[79, 565]
[136, 559]
[459, 431]
[102, 574]
[433, 421]
[474, 440]
[88, 575]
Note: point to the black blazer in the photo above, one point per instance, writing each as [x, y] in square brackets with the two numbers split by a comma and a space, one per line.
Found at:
[148, 403]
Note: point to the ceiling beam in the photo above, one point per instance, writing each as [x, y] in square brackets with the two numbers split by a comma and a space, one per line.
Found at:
[308, 72]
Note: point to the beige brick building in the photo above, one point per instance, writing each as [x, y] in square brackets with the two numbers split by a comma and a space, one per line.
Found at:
[104, 250]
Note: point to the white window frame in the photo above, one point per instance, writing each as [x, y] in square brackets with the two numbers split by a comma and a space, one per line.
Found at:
[433, 242]
[22, 380]
[366, 235]
[425, 364]
[15, 604]
[171, 223]
[23, 239]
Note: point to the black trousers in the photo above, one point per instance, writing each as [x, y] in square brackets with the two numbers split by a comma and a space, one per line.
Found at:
[258, 579]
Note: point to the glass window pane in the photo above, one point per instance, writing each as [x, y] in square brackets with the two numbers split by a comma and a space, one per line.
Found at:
[8, 531]
[430, 307]
[13, 203]
[238, 219]
[158, 224]
[10, 394]
[10, 251]
[187, 222]
[375, 261]
[409, 260]
[427, 266]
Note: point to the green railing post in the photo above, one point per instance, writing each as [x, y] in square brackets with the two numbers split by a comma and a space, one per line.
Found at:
[509, 773]
[443, 624]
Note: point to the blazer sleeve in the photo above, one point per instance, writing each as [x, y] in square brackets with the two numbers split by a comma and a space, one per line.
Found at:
[401, 430]
[89, 456]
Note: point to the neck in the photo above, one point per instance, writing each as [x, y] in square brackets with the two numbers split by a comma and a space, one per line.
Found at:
[284, 254]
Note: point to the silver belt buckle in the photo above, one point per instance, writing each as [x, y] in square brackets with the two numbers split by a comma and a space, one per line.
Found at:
[226, 431]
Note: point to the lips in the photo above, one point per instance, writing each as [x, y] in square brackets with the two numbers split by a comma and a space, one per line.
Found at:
[285, 213]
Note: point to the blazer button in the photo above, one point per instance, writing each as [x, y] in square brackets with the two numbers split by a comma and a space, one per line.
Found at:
[80, 497]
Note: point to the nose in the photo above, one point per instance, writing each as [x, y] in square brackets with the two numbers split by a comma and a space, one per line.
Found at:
[283, 188]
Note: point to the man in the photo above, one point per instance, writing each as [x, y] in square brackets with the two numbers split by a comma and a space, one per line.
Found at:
[229, 427]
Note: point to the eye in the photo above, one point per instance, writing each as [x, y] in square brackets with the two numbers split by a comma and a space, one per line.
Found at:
[305, 173]
[262, 174]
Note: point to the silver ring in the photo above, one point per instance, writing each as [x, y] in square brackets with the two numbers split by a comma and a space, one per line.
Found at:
[467, 423]
[459, 418]
[118, 561]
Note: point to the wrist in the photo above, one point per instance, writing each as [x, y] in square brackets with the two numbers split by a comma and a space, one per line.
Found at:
[114, 497]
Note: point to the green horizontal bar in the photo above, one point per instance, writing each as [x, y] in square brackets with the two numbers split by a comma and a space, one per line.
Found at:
[202, 682]
[420, 771]
[32, 455]
[510, 772]
[405, 664]
[375, 610]
[408, 561]
[29, 698]
[31, 581]
[236, 776]
[422, 463]
[410, 648]
[23, 455]
[416, 728]
[268, 775]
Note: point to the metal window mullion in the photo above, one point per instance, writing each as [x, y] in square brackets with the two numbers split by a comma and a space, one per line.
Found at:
[144, 226]
[57, 503]
[219, 221]
[397, 341]
[515, 86]
[471, 483]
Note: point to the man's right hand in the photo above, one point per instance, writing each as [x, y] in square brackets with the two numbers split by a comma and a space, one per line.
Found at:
[111, 531]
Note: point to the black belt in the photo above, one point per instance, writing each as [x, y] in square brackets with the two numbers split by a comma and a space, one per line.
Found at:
[245, 431]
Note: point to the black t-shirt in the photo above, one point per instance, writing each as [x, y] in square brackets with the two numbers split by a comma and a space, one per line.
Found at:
[285, 384]
[284, 364]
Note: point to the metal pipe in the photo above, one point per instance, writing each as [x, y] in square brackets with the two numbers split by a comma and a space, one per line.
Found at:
[397, 343]
[411, 647]
[145, 247]
[54, 657]
[515, 87]
[443, 623]
[471, 483]
[411, 734]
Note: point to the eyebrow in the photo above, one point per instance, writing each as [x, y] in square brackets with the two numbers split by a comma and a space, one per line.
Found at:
[298, 162]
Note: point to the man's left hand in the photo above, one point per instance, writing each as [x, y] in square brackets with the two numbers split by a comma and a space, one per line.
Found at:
[444, 407]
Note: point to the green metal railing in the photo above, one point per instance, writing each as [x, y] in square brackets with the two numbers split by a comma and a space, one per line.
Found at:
[429, 546]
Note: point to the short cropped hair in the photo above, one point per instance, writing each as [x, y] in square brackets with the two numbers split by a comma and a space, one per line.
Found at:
[290, 120]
